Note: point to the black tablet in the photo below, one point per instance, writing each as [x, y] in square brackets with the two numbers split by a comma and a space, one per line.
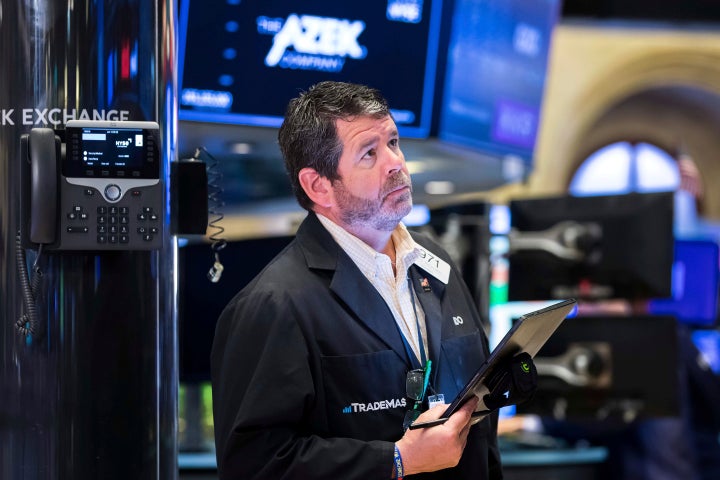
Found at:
[528, 334]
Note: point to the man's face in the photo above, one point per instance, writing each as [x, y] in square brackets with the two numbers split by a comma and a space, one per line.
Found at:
[374, 190]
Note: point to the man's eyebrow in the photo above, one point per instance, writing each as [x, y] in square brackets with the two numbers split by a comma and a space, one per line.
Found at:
[368, 143]
[392, 134]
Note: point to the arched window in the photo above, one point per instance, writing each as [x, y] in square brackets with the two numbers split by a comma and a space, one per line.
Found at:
[625, 167]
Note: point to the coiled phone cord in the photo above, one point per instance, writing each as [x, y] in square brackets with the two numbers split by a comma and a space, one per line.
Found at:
[215, 205]
[27, 324]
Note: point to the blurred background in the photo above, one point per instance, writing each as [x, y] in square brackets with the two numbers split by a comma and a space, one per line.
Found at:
[557, 149]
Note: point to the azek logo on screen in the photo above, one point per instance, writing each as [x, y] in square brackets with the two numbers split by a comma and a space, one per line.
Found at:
[318, 43]
[375, 406]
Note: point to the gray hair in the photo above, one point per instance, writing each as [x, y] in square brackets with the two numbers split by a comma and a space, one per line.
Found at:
[308, 137]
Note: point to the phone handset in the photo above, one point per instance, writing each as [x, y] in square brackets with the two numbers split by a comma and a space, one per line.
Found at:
[43, 150]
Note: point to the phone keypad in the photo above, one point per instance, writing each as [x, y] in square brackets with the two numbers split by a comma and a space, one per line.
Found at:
[133, 223]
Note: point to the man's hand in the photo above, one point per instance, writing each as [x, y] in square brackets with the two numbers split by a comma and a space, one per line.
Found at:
[441, 446]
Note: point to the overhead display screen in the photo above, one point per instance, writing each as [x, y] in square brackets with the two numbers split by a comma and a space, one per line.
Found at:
[495, 77]
[243, 60]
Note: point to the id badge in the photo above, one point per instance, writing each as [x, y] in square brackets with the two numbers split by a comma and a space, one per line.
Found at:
[438, 399]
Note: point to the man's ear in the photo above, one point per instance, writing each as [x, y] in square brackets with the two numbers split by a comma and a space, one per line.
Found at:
[316, 186]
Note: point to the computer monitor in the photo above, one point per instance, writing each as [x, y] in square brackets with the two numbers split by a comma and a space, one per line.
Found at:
[495, 76]
[609, 368]
[201, 301]
[242, 61]
[591, 248]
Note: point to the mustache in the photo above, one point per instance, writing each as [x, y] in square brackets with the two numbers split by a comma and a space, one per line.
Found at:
[397, 180]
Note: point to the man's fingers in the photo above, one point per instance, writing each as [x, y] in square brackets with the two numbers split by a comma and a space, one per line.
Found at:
[461, 418]
[432, 414]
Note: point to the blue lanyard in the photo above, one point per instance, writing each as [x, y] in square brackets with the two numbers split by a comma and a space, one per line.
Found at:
[411, 355]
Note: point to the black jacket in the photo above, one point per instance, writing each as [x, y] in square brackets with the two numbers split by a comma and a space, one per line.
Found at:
[308, 368]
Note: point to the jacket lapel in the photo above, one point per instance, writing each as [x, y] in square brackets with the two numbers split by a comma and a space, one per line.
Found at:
[430, 298]
[349, 284]
[367, 304]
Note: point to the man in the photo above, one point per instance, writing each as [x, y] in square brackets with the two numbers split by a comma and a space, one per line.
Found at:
[310, 361]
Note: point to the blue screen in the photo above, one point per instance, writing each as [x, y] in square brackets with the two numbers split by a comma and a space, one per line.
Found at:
[695, 275]
[708, 343]
[242, 61]
[495, 79]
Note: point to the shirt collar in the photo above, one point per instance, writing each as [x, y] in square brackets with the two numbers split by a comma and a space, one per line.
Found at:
[366, 257]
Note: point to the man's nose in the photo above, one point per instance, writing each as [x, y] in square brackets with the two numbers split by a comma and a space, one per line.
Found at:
[395, 160]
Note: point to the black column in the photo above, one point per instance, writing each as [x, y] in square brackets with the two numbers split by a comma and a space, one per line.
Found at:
[94, 396]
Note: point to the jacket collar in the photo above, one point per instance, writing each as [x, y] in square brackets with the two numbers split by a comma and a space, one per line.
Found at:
[348, 283]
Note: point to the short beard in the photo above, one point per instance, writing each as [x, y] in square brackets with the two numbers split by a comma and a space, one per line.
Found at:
[357, 211]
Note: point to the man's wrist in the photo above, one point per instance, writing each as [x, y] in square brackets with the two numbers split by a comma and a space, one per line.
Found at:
[398, 471]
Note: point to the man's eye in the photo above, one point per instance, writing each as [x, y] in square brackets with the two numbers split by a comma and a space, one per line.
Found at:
[369, 154]
[395, 142]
